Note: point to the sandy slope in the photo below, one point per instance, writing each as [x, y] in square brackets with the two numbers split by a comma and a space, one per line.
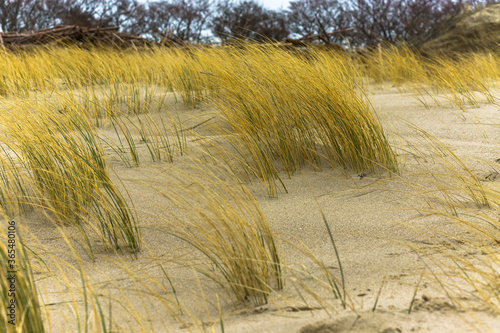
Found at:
[372, 221]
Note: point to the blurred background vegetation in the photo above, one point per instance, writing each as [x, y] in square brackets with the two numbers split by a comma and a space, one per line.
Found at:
[352, 23]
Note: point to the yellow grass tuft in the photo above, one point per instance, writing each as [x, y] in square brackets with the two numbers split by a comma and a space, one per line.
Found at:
[18, 293]
[218, 216]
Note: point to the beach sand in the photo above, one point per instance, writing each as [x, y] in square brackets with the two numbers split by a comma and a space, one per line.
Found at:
[379, 224]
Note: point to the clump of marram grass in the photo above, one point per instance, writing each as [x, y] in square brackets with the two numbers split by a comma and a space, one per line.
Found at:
[302, 111]
[464, 80]
[396, 64]
[66, 174]
[18, 293]
[218, 216]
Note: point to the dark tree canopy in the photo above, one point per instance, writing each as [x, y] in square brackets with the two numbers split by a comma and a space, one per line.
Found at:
[319, 17]
[248, 19]
[357, 22]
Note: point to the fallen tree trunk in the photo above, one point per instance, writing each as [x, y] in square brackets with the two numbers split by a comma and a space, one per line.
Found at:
[72, 34]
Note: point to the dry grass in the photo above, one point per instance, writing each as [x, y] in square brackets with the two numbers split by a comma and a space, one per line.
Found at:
[309, 116]
[464, 80]
[280, 111]
[454, 193]
[217, 215]
[65, 173]
[18, 292]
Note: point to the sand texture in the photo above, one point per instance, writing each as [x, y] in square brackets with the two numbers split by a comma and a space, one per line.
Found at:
[381, 227]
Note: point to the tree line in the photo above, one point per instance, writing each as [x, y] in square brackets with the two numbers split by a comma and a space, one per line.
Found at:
[357, 22]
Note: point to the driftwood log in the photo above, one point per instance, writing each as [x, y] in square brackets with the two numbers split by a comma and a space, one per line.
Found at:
[68, 34]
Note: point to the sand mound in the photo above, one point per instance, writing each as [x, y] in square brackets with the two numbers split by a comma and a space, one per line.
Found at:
[365, 323]
[477, 31]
